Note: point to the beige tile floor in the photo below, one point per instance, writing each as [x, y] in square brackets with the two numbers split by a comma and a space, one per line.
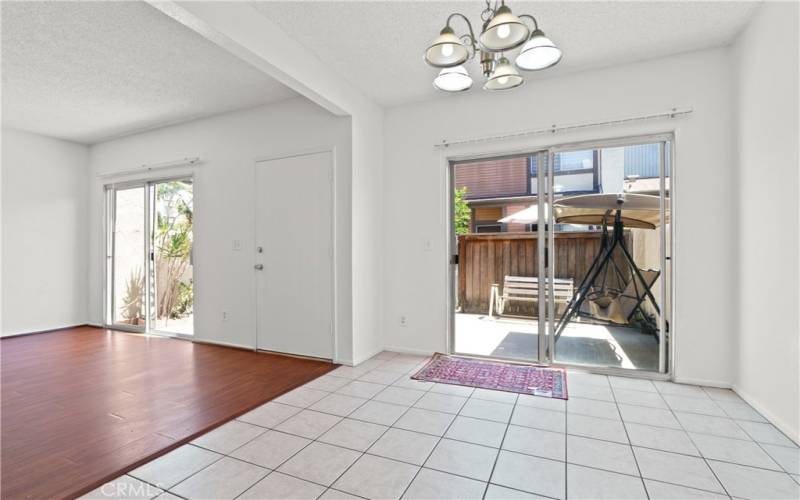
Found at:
[372, 432]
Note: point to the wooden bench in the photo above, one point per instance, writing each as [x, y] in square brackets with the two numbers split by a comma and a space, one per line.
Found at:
[526, 289]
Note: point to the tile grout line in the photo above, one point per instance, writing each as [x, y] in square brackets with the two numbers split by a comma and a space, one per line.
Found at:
[268, 430]
[362, 452]
[163, 490]
[501, 449]
[508, 424]
[630, 445]
[316, 440]
[270, 470]
[430, 390]
[391, 426]
[537, 408]
[405, 490]
[502, 441]
[595, 416]
[382, 434]
[759, 444]
[566, 448]
[169, 490]
[588, 398]
[667, 407]
[702, 455]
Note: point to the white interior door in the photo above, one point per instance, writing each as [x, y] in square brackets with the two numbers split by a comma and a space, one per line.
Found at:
[294, 266]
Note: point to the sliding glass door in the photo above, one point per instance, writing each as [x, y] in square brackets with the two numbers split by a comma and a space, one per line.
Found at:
[149, 271]
[172, 278]
[128, 258]
[563, 255]
[498, 263]
[609, 244]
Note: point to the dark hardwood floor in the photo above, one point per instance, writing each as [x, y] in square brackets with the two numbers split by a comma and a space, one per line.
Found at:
[82, 406]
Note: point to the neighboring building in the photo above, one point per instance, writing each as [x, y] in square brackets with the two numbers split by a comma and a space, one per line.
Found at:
[499, 187]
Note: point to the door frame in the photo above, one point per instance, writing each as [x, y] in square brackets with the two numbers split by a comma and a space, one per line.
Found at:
[334, 229]
[669, 136]
[109, 219]
[109, 247]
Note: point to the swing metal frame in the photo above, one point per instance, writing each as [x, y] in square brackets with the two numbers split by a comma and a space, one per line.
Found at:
[603, 262]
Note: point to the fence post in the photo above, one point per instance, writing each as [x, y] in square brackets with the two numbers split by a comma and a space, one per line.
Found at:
[492, 299]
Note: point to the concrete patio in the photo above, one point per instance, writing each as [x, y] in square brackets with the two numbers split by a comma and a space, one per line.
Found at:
[184, 326]
[581, 343]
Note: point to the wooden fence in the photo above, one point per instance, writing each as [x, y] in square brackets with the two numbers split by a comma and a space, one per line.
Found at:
[485, 259]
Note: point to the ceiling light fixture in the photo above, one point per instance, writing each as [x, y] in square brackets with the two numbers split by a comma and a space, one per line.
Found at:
[502, 31]
[504, 77]
[453, 79]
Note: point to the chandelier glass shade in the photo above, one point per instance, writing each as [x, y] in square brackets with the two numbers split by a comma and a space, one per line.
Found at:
[447, 50]
[505, 31]
[538, 53]
[454, 79]
[504, 77]
[502, 31]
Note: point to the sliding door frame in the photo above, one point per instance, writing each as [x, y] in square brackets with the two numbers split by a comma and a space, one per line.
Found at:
[109, 278]
[109, 247]
[666, 359]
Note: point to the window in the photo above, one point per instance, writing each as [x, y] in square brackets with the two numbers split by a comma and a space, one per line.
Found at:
[488, 228]
[641, 161]
[575, 172]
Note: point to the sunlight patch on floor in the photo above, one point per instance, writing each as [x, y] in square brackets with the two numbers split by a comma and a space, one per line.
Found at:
[581, 343]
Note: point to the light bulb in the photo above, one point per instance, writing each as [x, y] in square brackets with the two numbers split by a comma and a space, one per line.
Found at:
[503, 31]
[502, 80]
[447, 49]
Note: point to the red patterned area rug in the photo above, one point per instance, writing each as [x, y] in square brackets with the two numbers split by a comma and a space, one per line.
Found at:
[510, 377]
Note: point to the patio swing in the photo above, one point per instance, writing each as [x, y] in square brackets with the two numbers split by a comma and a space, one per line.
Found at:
[614, 287]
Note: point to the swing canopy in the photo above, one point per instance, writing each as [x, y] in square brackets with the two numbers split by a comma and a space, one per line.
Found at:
[618, 300]
[637, 210]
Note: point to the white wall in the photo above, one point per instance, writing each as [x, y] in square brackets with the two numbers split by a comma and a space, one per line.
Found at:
[224, 206]
[767, 355]
[44, 228]
[368, 223]
[415, 201]
[245, 32]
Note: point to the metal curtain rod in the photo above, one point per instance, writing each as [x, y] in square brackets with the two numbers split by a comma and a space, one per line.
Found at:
[149, 167]
[562, 128]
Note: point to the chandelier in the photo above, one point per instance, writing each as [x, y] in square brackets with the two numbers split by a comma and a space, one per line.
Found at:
[502, 32]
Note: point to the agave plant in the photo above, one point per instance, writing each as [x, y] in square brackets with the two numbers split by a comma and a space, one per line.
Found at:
[132, 309]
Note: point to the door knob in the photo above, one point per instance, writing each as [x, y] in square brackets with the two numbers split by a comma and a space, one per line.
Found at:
[259, 266]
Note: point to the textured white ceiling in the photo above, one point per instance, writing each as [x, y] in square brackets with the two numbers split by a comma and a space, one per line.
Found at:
[85, 71]
[378, 46]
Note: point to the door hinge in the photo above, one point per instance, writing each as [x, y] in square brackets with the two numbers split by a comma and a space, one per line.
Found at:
[454, 259]
[546, 257]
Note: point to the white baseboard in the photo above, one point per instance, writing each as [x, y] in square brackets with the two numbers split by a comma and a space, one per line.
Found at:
[358, 361]
[224, 344]
[774, 420]
[44, 330]
[707, 383]
[404, 350]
